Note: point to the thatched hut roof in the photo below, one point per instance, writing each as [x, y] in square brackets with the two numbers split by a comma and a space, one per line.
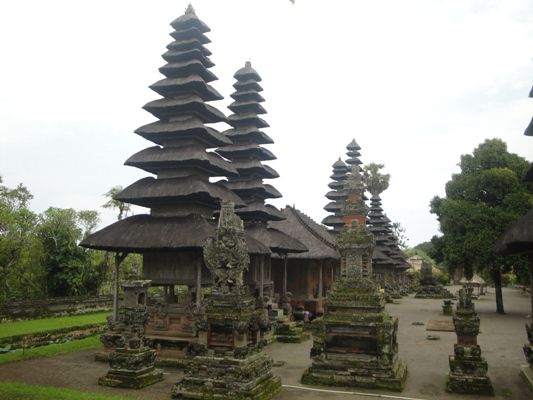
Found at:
[321, 244]
[518, 238]
[145, 233]
[279, 242]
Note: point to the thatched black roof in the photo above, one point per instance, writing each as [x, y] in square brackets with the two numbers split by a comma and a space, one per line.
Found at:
[247, 73]
[518, 238]
[189, 105]
[185, 85]
[321, 244]
[247, 95]
[246, 150]
[249, 133]
[185, 68]
[145, 233]
[188, 20]
[279, 242]
[254, 167]
[259, 212]
[243, 188]
[149, 191]
[162, 132]
[353, 146]
[155, 159]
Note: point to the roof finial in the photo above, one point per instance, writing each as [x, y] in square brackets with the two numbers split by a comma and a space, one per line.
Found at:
[248, 64]
[190, 9]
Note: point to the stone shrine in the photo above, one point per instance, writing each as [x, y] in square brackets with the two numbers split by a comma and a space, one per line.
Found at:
[132, 361]
[229, 363]
[429, 287]
[468, 370]
[356, 345]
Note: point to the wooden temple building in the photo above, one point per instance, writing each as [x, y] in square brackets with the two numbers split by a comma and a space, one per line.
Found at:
[183, 199]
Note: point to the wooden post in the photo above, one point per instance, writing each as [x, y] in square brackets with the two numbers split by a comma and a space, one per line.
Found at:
[285, 261]
[320, 283]
[119, 257]
[199, 283]
[262, 277]
[530, 267]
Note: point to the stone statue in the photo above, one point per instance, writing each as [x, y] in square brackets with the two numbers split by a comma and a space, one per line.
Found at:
[226, 255]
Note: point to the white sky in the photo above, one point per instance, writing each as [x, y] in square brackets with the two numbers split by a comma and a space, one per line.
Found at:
[416, 83]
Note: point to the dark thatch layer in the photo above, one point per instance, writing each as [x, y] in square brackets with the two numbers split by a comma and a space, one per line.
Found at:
[353, 146]
[187, 68]
[276, 240]
[529, 129]
[184, 86]
[249, 133]
[247, 73]
[154, 159]
[188, 34]
[518, 238]
[260, 212]
[150, 191]
[188, 20]
[254, 167]
[247, 95]
[160, 132]
[265, 191]
[249, 119]
[247, 106]
[321, 244]
[144, 233]
[187, 105]
[331, 220]
[184, 55]
[246, 150]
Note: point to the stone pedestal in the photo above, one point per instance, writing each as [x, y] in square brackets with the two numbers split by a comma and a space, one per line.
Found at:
[447, 308]
[429, 287]
[288, 331]
[468, 370]
[229, 364]
[526, 371]
[132, 361]
[358, 344]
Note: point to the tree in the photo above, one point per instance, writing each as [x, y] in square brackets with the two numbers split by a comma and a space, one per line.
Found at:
[398, 231]
[69, 268]
[123, 208]
[481, 202]
[20, 251]
[375, 181]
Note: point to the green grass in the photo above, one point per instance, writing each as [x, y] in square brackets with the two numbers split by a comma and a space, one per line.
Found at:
[46, 324]
[92, 342]
[20, 391]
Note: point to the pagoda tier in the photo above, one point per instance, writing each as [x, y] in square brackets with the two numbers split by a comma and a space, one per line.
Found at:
[246, 152]
[353, 153]
[338, 196]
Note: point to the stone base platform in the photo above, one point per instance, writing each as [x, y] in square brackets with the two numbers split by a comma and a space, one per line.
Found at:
[365, 374]
[469, 384]
[213, 377]
[526, 372]
[291, 332]
[131, 379]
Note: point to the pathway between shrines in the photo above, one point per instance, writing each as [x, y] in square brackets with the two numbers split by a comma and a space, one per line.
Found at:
[501, 340]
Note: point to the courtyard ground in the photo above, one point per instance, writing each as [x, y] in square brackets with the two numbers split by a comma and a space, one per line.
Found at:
[501, 340]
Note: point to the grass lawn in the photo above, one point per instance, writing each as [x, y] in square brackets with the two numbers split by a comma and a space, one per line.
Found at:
[46, 324]
[20, 391]
[92, 342]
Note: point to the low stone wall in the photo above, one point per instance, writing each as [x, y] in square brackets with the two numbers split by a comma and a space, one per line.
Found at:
[25, 309]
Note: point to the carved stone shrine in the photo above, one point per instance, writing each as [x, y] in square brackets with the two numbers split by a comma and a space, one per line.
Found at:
[356, 342]
[468, 370]
[230, 363]
[429, 287]
[132, 361]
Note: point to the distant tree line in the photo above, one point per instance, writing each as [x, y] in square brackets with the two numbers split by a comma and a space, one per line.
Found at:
[39, 253]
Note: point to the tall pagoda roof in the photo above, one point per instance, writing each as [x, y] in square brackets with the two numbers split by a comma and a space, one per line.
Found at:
[154, 159]
[145, 233]
[321, 244]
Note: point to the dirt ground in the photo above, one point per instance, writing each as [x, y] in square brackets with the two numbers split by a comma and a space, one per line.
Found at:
[501, 340]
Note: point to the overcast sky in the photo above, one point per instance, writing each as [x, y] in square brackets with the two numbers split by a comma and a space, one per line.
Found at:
[416, 83]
